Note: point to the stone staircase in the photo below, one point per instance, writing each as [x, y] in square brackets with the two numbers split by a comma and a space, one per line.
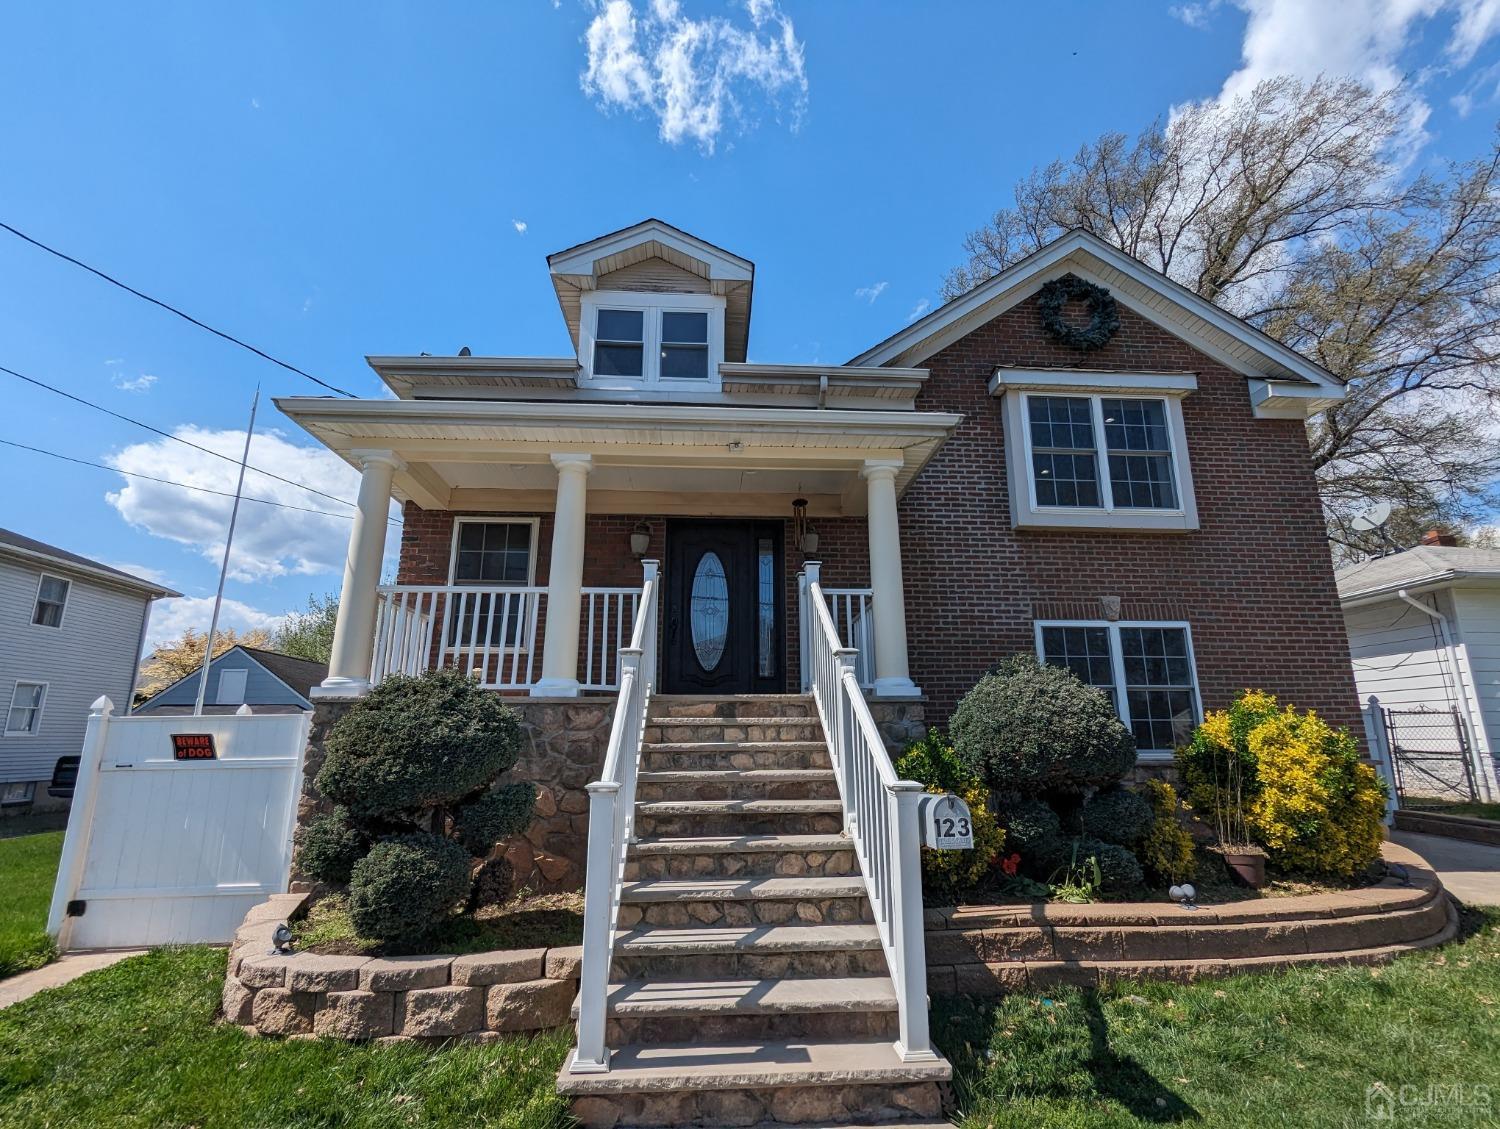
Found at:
[749, 986]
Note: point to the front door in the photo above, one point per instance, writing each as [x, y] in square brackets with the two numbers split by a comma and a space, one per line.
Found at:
[725, 608]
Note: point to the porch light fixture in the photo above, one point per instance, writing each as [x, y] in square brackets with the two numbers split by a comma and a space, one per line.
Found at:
[640, 539]
[803, 534]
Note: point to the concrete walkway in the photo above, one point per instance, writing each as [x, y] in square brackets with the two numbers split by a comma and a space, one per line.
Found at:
[1470, 871]
[61, 971]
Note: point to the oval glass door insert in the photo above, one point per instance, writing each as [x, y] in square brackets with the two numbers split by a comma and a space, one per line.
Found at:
[709, 611]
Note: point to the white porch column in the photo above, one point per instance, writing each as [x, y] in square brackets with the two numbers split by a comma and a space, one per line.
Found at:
[565, 579]
[354, 630]
[891, 676]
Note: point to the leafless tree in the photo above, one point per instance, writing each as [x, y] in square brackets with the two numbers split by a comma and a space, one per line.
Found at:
[1289, 208]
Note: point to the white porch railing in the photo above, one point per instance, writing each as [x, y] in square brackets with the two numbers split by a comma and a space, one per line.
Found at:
[880, 811]
[854, 621]
[494, 633]
[612, 826]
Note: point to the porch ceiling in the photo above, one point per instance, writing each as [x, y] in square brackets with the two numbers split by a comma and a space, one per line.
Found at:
[673, 459]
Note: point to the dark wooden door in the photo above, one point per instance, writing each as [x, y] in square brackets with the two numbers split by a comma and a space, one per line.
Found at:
[725, 614]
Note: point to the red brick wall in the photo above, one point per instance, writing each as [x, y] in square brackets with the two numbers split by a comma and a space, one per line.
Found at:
[1255, 580]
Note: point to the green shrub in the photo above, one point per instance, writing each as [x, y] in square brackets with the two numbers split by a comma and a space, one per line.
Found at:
[1119, 870]
[329, 845]
[950, 874]
[495, 815]
[415, 743]
[1033, 831]
[1034, 729]
[407, 886]
[1166, 851]
[1117, 815]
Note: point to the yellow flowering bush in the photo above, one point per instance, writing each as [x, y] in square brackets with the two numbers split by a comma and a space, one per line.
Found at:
[1289, 782]
[932, 761]
[1166, 850]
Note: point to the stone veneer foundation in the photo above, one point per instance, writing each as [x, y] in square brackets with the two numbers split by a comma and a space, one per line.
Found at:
[565, 740]
[475, 998]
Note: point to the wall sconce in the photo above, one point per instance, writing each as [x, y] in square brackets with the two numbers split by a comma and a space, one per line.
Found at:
[805, 536]
[640, 539]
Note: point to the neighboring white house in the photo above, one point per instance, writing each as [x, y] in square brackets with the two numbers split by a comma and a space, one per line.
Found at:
[1424, 634]
[266, 681]
[71, 629]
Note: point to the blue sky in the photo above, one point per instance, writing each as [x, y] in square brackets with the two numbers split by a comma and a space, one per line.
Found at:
[335, 180]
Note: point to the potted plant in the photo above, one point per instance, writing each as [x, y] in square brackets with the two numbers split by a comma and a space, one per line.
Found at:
[1245, 860]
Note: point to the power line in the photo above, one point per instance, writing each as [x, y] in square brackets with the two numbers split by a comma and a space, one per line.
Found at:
[174, 310]
[169, 435]
[169, 482]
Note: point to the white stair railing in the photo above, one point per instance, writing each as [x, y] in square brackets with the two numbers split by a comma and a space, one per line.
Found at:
[881, 812]
[611, 828]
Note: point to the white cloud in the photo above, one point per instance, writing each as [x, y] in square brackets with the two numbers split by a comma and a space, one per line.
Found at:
[1193, 15]
[269, 542]
[141, 383]
[170, 618]
[255, 103]
[519, 225]
[919, 310]
[144, 572]
[1478, 22]
[870, 293]
[112, 361]
[692, 74]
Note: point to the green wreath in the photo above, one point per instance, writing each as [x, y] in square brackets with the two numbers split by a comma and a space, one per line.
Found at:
[1104, 315]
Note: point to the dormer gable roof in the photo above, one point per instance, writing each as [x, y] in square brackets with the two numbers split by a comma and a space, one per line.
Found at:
[1228, 339]
[691, 264]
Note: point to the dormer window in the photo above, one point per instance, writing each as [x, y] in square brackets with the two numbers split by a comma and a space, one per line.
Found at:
[630, 339]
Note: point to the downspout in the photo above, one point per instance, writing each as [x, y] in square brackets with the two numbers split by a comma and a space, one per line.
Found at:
[1460, 694]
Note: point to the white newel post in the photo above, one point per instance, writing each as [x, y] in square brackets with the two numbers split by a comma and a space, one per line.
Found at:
[892, 678]
[806, 625]
[565, 579]
[914, 1043]
[354, 629]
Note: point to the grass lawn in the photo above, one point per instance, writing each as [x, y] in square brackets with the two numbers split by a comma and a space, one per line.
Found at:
[1472, 809]
[527, 921]
[1294, 1049]
[137, 1045]
[28, 866]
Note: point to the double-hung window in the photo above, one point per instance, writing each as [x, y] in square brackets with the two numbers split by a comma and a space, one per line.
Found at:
[492, 554]
[672, 340]
[1080, 455]
[1145, 669]
[25, 716]
[51, 599]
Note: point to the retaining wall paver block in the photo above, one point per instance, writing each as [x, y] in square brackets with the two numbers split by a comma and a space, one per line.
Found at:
[530, 1006]
[498, 967]
[402, 974]
[442, 1012]
[355, 1015]
[279, 1011]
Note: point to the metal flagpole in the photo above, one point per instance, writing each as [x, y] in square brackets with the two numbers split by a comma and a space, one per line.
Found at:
[234, 513]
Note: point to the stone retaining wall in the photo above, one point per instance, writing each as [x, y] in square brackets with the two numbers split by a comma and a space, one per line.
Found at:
[475, 998]
[1453, 826]
[986, 950]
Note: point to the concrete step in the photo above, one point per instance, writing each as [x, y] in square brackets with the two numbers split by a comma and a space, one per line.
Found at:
[712, 756]
[738, 817]
[754, 952]
[730, 856]
[776, 1083]
[737, 784]
[686, 902]
[664, 706]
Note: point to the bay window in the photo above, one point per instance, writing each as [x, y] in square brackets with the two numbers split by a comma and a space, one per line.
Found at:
[1145, 669]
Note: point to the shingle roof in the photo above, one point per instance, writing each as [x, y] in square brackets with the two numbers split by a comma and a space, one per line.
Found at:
[300, 674]
[1424, 564]
[31, 547]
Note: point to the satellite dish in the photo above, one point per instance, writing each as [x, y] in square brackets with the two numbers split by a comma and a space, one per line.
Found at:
[1373, 518]
[464, 352]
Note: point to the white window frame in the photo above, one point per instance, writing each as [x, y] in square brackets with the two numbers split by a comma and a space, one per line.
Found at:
[1117, 668]
[244, 685]
[1016, 389]
[652, 305]
[524, 640]
[36, 603]
[41, 706]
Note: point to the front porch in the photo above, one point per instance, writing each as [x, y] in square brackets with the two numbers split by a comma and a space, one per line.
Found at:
[564, 510]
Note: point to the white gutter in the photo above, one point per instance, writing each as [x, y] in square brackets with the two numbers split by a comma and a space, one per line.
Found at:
[1460, 693]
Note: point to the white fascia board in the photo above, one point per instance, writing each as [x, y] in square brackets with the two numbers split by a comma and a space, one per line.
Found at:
[132, 584]
[1285, 399]
[923, 338]
[1041, 380]
[722, 264]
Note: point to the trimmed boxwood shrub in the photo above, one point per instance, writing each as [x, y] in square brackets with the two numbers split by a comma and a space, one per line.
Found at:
[329, 845]
[1034, 729]
[1033, 831]
[949, 874]
[1117, 815]
[495, 815]
[1119, 870]
[407, 886]
[415, 743]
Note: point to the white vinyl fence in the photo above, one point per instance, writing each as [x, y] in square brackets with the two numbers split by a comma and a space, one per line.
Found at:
[166, 850]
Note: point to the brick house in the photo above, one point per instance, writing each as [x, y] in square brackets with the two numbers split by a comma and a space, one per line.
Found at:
[682, 450]
[766, 574]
